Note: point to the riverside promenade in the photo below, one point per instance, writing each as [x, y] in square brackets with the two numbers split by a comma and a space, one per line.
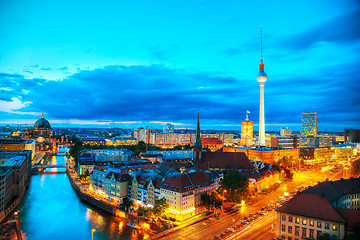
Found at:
[99, 200]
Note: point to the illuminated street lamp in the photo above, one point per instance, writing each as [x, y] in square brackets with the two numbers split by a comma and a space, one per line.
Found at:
[92, 233]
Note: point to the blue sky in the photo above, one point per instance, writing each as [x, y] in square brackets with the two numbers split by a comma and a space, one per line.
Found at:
[145, 63]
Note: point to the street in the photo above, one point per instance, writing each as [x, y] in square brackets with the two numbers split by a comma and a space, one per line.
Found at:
[262, 227]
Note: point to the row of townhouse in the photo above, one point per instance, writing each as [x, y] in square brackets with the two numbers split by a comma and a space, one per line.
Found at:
[114, 181]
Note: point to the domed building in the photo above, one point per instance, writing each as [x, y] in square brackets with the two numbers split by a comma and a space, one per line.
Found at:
[42, 128]
[41, 132]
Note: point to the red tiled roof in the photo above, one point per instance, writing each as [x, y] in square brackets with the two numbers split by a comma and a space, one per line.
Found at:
[313, 206]
[186, 181]
[332, 190]
[226, 160]
[352, 216]
[211, 141]
[120, 177]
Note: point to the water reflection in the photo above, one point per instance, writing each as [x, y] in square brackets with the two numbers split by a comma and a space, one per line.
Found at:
[52, 210]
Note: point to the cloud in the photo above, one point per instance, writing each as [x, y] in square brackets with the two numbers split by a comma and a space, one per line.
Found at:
[159, 94]
[342, 29]
[45, 69]
[63, 68]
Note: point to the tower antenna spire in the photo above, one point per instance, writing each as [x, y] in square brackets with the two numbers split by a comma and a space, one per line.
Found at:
[261, 49]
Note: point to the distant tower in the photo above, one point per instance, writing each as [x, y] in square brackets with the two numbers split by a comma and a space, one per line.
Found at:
[261, 77]
[309, 124]
[197, 146]
[247, 132]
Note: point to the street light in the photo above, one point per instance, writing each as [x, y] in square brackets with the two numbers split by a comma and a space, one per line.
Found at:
[92, 233]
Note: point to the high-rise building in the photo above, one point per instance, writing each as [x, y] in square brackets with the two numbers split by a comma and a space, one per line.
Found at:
[261, 77]
[309, 124]
[246, 132]
[285, 131]
[169, 128]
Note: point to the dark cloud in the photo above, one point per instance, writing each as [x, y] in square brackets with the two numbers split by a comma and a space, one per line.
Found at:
[45, 69]
[28, 71]
[63, 68]
[157, 92]
[344, 28]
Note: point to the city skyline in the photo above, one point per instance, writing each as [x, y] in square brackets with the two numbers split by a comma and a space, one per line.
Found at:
[146, 65]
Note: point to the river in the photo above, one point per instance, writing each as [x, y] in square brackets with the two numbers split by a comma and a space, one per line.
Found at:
[51, 210]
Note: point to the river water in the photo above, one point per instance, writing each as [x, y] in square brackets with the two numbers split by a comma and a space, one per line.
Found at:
[51, 210]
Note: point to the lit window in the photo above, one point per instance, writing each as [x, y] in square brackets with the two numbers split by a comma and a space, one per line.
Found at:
[297, 220]
[334, 228]
[319, 224]
[304, 221]
[311, 223]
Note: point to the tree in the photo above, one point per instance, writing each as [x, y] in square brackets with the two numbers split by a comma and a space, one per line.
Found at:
[288, 174]
[355, 168]
[236, 185]
[210, 200]
[160, 207]
[127, 203]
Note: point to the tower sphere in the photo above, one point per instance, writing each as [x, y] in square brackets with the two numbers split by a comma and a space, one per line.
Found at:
[261, 77]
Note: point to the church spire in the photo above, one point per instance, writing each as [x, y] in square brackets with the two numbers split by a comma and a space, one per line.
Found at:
[198, 136]
[42, 115]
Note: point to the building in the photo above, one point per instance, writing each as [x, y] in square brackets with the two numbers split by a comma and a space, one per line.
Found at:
[329, 208]
[246, 132]
[18, 145]
[261, 77]
[285, 131]
[221, 161]
[41, 133]
[285, 142]
[142, 134]
[309, 124]
[169, 128]
[164, 140]
[92, 141]
[120, 141]
[171, 155]
[212, 143]
[116, 186]
[182, 191]
[265, 175]
[316, 142]
[15, 173]
[266, 154]
[352, 135]
[186, 138]
[110, 155]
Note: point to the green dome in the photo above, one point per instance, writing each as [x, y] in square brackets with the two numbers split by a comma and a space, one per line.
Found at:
[42, 123]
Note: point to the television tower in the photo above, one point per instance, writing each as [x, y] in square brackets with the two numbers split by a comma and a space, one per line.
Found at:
[261, 77]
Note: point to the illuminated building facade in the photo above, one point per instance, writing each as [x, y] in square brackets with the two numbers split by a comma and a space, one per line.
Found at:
[41, 133]
[286, 142]
[329, 208]
[17, 145]
[246, 132]
[142, 134]
[285, 131]
[15, 173]
[261, 77]
[212, 143]
[309, 124]
[266, 154]
[352, 135]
